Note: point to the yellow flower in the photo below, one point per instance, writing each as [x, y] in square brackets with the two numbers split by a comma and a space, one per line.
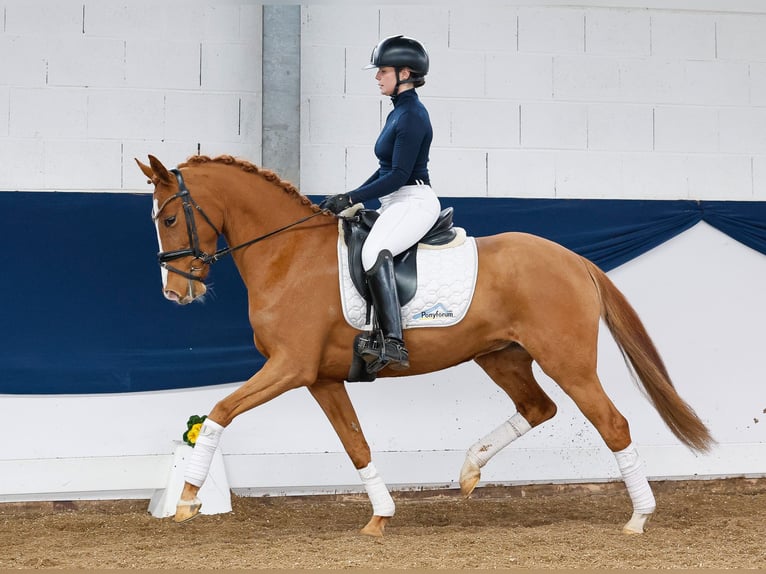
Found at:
[194, 433]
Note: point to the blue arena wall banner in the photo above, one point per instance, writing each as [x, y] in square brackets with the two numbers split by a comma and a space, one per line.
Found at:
[83, 310]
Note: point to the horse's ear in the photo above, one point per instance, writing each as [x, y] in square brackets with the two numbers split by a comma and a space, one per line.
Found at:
[155, 171]
[145, 169]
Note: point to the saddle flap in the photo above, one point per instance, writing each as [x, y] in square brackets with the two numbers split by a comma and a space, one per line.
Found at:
[355, 232]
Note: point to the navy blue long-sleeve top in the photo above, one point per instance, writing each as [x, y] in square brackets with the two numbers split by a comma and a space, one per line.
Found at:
[402, 149]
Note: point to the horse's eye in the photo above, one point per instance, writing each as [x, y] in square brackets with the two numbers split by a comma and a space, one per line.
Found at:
[169, 221]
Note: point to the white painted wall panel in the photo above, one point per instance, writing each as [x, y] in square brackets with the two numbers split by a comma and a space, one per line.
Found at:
[487, 124]
[118, 114]
[174, 61]
[358, 80]
[519, 76]
[85, 62]
[584, 78]
[617, 32]
[587, 174]
[740, 37]
[459, 172]
[759, 178]
[22, 165]
[655, 176]
[231, 67]
[360, 118]
[53, 113]
[552, 30]
[554, 125]
[683, 35]
[454, 74]
[102, 76]
[344, 24]
[719, 177]
[197, 116]
[521, 173]
[757, 84]
[323, 169]
[23, 61]
[39, 18]
[477, 30]
[652, 81]
[64, 161]
[620, 127]
[686, 129]
[428, 23]
[743, 130]
[5, 105]
[717, 83]
[331, 60]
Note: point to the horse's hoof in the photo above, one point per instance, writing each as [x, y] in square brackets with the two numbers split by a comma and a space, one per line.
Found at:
[187, 509]
[470, 475]
[636, 523]
[376, 526]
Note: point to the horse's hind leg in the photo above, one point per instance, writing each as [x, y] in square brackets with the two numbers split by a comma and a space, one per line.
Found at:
[511, 369]
[336, 404]
[582, 384]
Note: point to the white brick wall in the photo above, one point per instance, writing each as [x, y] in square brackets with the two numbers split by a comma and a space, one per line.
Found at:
[96, 83]
[524, 99]
[5, 98]
[683, 36]
[597, 100]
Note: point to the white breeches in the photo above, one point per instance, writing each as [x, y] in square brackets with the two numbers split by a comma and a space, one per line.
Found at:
[406, 215]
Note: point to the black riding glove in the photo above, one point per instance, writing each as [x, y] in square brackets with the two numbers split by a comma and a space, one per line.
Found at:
[336, 203]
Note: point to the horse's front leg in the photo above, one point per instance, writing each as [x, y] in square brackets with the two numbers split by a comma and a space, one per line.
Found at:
[336, 404]
[271, 381]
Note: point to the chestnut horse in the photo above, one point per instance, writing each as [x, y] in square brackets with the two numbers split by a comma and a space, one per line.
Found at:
[534, 300]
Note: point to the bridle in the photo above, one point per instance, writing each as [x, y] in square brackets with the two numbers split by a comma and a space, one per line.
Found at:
[189, 206]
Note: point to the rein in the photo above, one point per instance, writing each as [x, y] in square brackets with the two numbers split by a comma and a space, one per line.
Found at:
[189, 205]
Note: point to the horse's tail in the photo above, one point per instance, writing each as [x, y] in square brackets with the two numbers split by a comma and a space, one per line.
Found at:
[645, 364]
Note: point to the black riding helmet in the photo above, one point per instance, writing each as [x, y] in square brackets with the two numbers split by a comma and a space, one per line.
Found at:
[401, 52]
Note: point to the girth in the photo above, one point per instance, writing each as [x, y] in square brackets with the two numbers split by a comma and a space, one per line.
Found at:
[355, 231]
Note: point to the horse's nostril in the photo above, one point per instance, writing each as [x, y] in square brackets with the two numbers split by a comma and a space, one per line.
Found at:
[171, 295]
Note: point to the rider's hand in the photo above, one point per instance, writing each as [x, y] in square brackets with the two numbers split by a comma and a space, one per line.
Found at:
[336, 203]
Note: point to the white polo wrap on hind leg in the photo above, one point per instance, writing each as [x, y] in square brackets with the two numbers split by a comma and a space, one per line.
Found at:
[498, 439]
[382, 503]
[199, 464]
[633, 473]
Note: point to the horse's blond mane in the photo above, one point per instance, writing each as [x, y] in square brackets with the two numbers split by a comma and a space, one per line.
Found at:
[249, 167]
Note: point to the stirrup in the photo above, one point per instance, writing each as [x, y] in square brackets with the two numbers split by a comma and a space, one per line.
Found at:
[388, 353]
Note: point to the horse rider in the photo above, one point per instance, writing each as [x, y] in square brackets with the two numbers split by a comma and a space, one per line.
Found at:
[408, 205]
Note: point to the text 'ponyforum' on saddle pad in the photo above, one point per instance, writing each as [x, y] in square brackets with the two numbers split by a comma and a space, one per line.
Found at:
[446, 283]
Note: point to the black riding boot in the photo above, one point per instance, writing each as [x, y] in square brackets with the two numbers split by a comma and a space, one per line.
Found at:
[382, 284]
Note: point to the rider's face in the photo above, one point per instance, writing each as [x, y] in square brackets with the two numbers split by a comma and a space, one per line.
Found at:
[386, 78]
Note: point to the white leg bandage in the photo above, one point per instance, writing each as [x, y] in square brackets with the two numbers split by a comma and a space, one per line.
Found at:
[498, 439]
[202, 455]
[633, 473]
[382, 503]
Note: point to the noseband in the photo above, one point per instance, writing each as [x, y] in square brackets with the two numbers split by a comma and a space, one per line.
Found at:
[189, 206]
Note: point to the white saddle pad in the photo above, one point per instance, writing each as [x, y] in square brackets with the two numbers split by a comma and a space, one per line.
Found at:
[446, 283]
